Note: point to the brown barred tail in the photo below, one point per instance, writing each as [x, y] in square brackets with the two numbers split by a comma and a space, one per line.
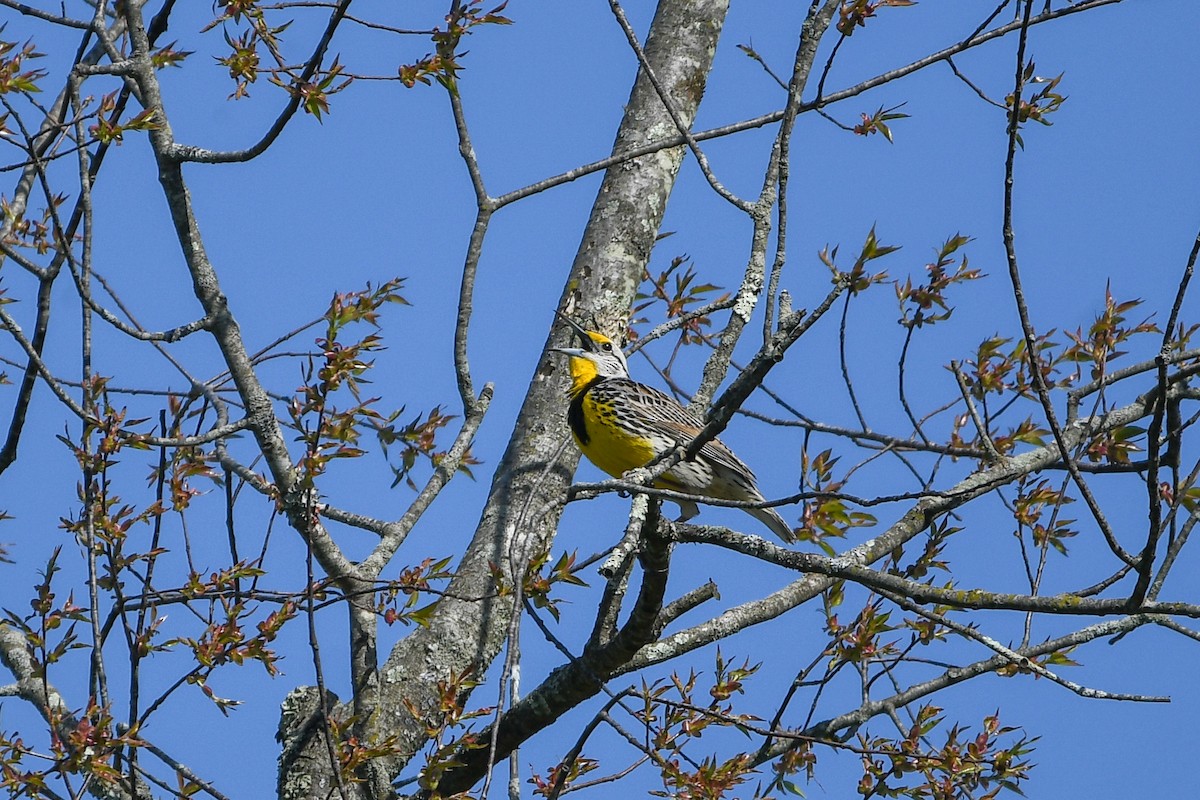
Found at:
[771, 518]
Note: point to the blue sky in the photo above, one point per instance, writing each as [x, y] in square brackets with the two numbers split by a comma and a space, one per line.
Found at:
[377, 190]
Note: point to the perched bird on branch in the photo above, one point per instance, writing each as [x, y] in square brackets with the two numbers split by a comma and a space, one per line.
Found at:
[621, 425]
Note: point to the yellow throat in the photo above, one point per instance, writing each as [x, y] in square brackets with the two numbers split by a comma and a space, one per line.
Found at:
[583, 372]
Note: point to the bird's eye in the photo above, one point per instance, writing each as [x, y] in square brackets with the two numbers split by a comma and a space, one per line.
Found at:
[606, 347]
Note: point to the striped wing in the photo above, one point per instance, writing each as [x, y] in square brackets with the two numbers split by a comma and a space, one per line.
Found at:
[667, 420]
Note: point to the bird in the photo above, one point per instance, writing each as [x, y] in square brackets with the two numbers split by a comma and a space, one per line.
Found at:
[620, 425]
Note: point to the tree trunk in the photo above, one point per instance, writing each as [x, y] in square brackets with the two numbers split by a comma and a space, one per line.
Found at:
[523, 508]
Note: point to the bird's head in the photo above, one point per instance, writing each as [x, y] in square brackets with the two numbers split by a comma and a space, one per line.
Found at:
[596, 356]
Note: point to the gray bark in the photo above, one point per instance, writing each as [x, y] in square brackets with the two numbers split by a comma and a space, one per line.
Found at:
[470, 625]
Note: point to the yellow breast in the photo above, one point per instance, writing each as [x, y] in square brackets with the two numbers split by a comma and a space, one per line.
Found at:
[611, 446]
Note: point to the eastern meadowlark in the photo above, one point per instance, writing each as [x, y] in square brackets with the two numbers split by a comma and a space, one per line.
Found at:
[621, 424]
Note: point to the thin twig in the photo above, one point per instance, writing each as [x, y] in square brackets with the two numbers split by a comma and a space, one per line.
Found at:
[1037, 379]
